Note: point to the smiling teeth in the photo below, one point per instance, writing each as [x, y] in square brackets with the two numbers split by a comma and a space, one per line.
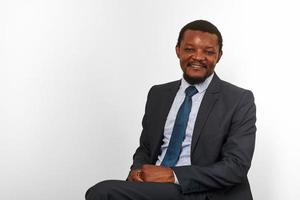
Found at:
[196, 66]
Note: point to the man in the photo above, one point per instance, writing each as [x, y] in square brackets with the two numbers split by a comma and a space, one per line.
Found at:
[198, 133]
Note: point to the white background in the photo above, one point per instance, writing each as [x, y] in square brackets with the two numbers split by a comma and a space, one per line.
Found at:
[74, 76]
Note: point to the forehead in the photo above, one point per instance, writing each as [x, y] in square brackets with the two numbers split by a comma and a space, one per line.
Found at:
[199, 37]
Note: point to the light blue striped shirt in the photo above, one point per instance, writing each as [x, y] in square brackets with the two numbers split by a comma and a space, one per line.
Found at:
[184, 158]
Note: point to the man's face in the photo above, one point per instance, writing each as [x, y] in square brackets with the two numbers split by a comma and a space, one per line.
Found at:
[198, 54]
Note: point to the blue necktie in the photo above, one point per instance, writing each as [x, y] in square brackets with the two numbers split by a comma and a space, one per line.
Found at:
[178, 133]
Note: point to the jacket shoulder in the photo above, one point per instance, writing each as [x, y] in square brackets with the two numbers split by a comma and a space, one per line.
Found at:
[174, 85]
[232, 87]
[234, 94]
[167, 85]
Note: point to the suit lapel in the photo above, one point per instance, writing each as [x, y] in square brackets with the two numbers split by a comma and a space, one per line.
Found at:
[167, 101]
[210, 98]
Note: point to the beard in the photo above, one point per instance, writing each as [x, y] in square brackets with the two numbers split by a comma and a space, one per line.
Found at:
[193, 80]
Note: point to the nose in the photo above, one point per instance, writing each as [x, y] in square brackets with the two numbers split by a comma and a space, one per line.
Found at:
[199, 55]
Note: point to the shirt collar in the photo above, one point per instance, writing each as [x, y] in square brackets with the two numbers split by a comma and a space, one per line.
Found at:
[201, 87]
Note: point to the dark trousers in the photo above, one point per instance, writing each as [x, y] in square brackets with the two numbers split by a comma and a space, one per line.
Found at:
[127, 190]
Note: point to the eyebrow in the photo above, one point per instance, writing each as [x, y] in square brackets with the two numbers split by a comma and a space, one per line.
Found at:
[209, 47]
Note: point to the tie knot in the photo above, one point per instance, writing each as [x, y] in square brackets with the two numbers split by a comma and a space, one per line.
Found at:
[191, 91]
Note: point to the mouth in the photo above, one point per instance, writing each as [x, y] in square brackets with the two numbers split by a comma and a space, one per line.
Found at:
[196, 65]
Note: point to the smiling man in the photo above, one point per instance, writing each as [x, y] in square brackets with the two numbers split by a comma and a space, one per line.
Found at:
[198, 132]
[198, 53]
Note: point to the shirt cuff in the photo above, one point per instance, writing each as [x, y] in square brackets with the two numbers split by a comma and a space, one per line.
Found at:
[175, 177]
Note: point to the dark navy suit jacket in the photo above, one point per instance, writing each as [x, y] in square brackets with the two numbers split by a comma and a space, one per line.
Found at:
[222, 143]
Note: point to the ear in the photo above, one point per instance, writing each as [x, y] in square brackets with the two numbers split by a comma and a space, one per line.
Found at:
[220, 55]
[177, 49]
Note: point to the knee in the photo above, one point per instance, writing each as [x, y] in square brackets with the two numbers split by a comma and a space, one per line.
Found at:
[100, 191]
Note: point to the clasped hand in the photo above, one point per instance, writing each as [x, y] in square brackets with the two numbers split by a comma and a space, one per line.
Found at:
[152, 173]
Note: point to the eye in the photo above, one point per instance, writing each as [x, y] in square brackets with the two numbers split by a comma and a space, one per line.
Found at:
[208, 52]
[188, 49]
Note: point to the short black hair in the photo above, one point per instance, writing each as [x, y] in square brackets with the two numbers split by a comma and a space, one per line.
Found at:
[201, 25]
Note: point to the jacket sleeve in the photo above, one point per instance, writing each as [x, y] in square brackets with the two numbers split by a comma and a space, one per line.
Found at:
[236, 154]
[142, 153]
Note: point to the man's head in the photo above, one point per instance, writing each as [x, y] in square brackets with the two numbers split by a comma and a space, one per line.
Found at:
[199, 48]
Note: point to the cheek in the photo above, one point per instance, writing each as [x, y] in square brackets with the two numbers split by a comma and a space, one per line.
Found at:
[212, 61]
[185, 58]
[182, 64]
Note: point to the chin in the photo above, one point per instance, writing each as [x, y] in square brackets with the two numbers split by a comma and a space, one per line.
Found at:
[194, 79]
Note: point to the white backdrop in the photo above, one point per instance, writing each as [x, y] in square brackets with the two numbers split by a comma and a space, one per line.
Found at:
[74, 76]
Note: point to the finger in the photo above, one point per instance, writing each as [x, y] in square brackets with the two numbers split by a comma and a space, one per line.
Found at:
[137, 178]
[129, 178]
